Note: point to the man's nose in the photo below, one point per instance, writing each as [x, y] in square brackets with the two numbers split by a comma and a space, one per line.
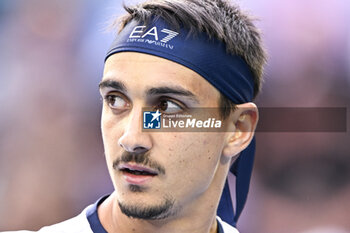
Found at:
[133, 139]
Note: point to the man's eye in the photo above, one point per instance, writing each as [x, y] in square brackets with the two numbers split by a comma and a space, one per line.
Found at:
[168, 106]
[116, 102]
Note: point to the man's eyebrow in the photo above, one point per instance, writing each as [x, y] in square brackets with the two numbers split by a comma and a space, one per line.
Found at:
[119, 86]
[171, 90]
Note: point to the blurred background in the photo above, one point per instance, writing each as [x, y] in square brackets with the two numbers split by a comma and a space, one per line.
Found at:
[51, 154]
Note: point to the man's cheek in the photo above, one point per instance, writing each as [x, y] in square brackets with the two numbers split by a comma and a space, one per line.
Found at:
[110, 131]
[107, 125]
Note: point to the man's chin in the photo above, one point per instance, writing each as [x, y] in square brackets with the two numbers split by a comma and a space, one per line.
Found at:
[148, 212]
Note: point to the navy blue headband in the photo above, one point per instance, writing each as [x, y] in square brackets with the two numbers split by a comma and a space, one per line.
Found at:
[208, 57]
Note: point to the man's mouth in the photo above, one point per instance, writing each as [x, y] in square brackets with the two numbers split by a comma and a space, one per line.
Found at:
[137, 170]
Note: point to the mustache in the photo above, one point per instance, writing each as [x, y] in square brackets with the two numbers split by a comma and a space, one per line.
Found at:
[140, 159]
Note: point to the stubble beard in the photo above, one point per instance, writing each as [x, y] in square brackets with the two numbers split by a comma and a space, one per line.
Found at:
[163, 210]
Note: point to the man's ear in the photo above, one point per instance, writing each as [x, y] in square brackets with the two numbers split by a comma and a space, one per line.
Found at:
[241, 126]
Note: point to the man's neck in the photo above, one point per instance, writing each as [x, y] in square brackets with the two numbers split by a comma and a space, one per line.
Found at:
[114, 221]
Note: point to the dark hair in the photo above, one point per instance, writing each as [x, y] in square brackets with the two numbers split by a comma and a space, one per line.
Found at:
[218, 19]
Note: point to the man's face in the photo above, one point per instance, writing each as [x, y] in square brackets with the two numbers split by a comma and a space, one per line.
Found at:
[156, 174]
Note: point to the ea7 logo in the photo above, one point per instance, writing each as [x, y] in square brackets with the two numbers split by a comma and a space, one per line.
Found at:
[167, 35]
